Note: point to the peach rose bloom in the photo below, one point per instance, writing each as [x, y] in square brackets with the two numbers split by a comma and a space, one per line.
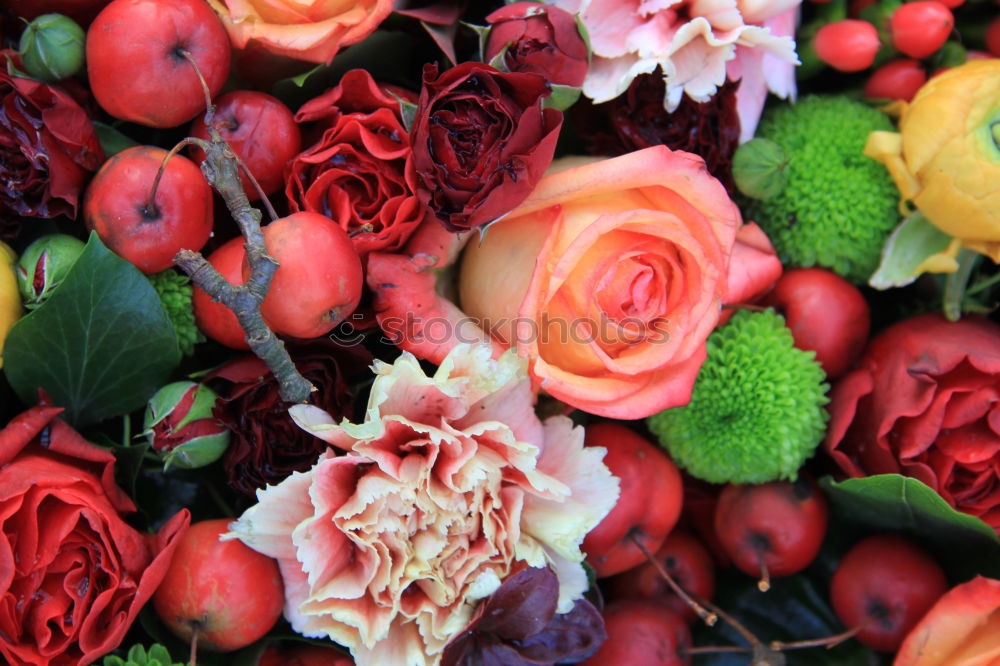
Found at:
[388, 543]
[310, 30]
[611, 275]
[961, 629]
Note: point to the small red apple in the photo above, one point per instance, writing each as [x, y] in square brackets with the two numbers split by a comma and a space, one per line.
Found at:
[135, 60]
[214, 319]
[232, 595]
[642, 633]
[885, 584]
[826, 314]
[688, 563]
[773, 529]
[149, 232]
[261, 130]
[647, 508]
[319, 279]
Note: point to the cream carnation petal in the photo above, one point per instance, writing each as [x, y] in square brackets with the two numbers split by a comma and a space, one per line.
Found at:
[562, 524]
[573, 582]
[609, 23]
[609, 77]
[268, 525]
[402, 647]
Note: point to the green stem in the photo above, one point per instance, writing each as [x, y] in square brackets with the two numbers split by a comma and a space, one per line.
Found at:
[955, 284]
[983, 284]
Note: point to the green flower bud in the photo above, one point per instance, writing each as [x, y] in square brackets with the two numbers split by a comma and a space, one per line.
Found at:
[179, 425]
[174, 290]
[52, 48]
[759, 168]
[44, 265]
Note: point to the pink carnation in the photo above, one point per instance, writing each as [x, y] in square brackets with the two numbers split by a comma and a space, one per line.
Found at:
[696, 44]
[388, 543]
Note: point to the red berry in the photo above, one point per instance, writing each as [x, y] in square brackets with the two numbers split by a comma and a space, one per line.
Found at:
[897, 79]
[849, 45]
[230, 594]
[993, 37]
[647, 508]
[774, 529]
[642, 632]
[920, 28]
[885, 584]
[825, 313]
[687, 562]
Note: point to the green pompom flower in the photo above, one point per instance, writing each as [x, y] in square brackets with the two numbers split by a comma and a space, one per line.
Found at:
[138, 656]
[174, 290]
[830, 205]
[756, 412]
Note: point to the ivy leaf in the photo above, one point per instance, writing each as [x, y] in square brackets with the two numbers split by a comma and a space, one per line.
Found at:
[963, 544]
[100, 345]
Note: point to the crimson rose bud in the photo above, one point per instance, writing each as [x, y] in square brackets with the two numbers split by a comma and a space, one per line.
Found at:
[180, 426]
[543, 40]
[481, 142]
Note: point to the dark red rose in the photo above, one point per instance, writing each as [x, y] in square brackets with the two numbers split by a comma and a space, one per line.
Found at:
[356, 172]
[543, 40]
[925, 402]
[637, 119]
[266, 445]
[47, 148]
[73, 574]
[481, 142]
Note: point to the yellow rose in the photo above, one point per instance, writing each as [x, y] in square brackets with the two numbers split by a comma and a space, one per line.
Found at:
[946, 157]
[10, 299]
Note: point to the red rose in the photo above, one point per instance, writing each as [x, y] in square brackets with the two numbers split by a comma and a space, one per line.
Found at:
[266, 445]
[543, 40]
[73, 574]
[47, 147]
[925, 402]
[356, 173]
[481, 141]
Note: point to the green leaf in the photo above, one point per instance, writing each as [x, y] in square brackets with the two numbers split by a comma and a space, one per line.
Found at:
[407, 111]
[912, 242]
[963, 544]
[112, 141]
[562, 97]
[101, 344]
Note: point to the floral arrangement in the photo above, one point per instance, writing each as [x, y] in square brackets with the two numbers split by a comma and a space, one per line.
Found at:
[446, 333]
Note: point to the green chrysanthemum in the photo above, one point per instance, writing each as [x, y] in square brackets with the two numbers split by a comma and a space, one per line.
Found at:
[834, 207]
[174, 290]
[756, 413]
[137, 656]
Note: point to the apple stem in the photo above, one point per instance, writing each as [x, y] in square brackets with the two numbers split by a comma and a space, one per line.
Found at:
[709, 618]
[150, 208]
[828, 642]
[764, 584]
[194, 645]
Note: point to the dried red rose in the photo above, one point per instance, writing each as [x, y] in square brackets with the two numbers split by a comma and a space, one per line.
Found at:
[925, 402]
[266, 445]
[543, 40]
[637, 120]
[481, 142]
[356, 172]
[73, 574]
[47, 147]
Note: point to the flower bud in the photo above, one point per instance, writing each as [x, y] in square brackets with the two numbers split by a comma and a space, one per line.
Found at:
[52, 48]
[179, 425]
[44, 265]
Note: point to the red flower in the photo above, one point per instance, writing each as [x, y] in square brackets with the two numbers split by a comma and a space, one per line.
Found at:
[481, 142]
[356, 173]
[543, 40]
[266, 445]
[925, 402]
[73, 574]
[47, 147]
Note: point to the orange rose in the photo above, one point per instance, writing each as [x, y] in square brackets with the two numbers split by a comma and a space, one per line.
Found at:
[611, 275]
[311, 30]
[961, 629]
